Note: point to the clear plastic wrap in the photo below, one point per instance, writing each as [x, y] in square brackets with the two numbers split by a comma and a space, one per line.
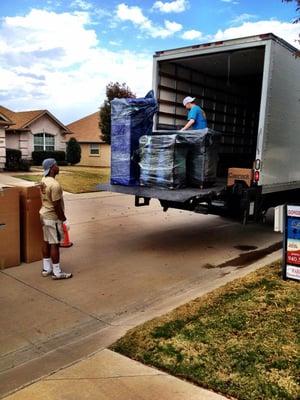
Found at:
[163, 161]
[174, 159]
[202, 158]
[130, 119]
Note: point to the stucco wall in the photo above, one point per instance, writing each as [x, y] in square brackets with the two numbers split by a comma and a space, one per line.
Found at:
[47, 125]
[101, 160]
[24, 141]
[105, 155]
[12, 141]
[19, 141]
[2, 148]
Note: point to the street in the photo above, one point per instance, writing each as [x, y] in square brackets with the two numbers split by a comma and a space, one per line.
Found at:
[129, 264]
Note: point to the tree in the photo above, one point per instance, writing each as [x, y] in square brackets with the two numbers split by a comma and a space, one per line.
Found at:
[297, 9]
[73, 151]
[113, 90]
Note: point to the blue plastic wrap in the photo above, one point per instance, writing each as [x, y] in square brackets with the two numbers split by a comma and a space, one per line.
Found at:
[130, 119]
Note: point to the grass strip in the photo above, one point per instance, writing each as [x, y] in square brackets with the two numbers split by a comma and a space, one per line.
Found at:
[76, 180]
[241, 340]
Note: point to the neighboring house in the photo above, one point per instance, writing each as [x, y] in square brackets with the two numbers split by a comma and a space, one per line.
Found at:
[30, 130]
[94, 151]
[5, 122]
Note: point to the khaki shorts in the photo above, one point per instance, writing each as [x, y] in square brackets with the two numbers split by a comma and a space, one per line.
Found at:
[52, 230]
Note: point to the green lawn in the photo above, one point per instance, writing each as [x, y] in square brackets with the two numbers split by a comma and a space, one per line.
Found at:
[76, 179]
[240, 340]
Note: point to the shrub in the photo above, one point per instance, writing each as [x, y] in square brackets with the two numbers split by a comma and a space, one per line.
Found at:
[25, 165]
[63, 163]
[39, 156]
[73, 151]
[13, 158]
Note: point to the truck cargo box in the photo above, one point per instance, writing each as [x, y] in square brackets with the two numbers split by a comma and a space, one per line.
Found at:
[249, 89]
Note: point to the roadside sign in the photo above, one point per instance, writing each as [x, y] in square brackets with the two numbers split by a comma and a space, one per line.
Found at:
[291, 248]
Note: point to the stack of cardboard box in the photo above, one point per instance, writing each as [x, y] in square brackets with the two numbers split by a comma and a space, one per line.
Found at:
[30, 224]
[20, 229]
[9, 227]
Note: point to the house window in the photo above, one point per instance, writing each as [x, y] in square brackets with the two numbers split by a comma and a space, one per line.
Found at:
[44, 142]
[94, 149]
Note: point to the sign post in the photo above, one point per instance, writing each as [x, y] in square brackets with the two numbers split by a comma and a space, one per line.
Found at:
[291, 248]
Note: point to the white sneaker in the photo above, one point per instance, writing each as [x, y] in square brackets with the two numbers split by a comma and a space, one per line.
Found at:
[62, 275]
[47, 273]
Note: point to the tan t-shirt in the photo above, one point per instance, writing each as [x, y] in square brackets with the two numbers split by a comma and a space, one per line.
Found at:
[50, 191]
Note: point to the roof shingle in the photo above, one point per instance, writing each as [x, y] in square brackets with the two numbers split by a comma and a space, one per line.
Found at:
[86, 130]
[22, 119]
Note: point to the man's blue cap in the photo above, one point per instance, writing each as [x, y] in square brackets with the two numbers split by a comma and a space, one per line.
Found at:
[48, 164]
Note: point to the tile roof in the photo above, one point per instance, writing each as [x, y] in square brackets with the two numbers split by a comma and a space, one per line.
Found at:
[22, 119]
[86, 130]
[4, 119]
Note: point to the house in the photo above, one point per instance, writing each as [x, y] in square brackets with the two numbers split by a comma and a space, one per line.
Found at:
[30, 130]
[94, 151]
[5, 122]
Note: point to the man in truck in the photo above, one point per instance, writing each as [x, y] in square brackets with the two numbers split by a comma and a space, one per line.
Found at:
[196, 116]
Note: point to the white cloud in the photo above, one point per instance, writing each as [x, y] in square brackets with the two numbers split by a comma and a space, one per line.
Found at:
[135, 15]
[230, 1]
[242, 18]
[173, 26]
[176, 6]
[54, 61]
[192, 35]
[115, 42]
[81, 4]
[285, 30]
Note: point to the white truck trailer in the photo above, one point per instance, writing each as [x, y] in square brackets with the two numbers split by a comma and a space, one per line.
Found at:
[250, 90]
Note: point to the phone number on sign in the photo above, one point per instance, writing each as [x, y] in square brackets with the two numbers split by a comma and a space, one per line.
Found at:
[294, 259]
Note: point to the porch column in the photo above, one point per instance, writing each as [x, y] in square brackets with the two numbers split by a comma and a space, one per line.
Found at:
[2, 148]
[24, 144]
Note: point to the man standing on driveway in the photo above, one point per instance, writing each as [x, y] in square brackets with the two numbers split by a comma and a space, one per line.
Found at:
[52, 217]
[196, 116]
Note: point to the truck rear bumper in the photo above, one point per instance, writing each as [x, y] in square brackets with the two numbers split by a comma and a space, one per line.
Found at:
[178, 195]
[237, 201]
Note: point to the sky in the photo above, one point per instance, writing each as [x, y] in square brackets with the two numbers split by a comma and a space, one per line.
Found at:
[59, 55]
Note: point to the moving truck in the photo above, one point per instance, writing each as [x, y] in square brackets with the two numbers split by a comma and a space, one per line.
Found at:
[249, 89]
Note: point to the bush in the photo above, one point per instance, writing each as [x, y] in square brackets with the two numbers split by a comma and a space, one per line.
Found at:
[39, 156]
[73, 151]
[63, 163]
[13, 158]
[25, 165]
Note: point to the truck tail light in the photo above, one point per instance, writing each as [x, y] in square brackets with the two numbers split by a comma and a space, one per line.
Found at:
[256, 176]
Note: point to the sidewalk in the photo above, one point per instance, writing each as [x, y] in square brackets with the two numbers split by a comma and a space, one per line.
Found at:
[54, 335]
[111, 376]
[104, 374]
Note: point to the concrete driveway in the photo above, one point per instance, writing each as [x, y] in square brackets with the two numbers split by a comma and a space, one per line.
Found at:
[129, 264]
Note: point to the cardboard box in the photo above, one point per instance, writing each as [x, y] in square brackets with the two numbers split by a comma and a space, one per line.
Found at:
[239, 174]
[30, 224]
[9, 227]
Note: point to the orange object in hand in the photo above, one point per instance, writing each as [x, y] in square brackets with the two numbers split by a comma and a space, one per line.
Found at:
[66, 241]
